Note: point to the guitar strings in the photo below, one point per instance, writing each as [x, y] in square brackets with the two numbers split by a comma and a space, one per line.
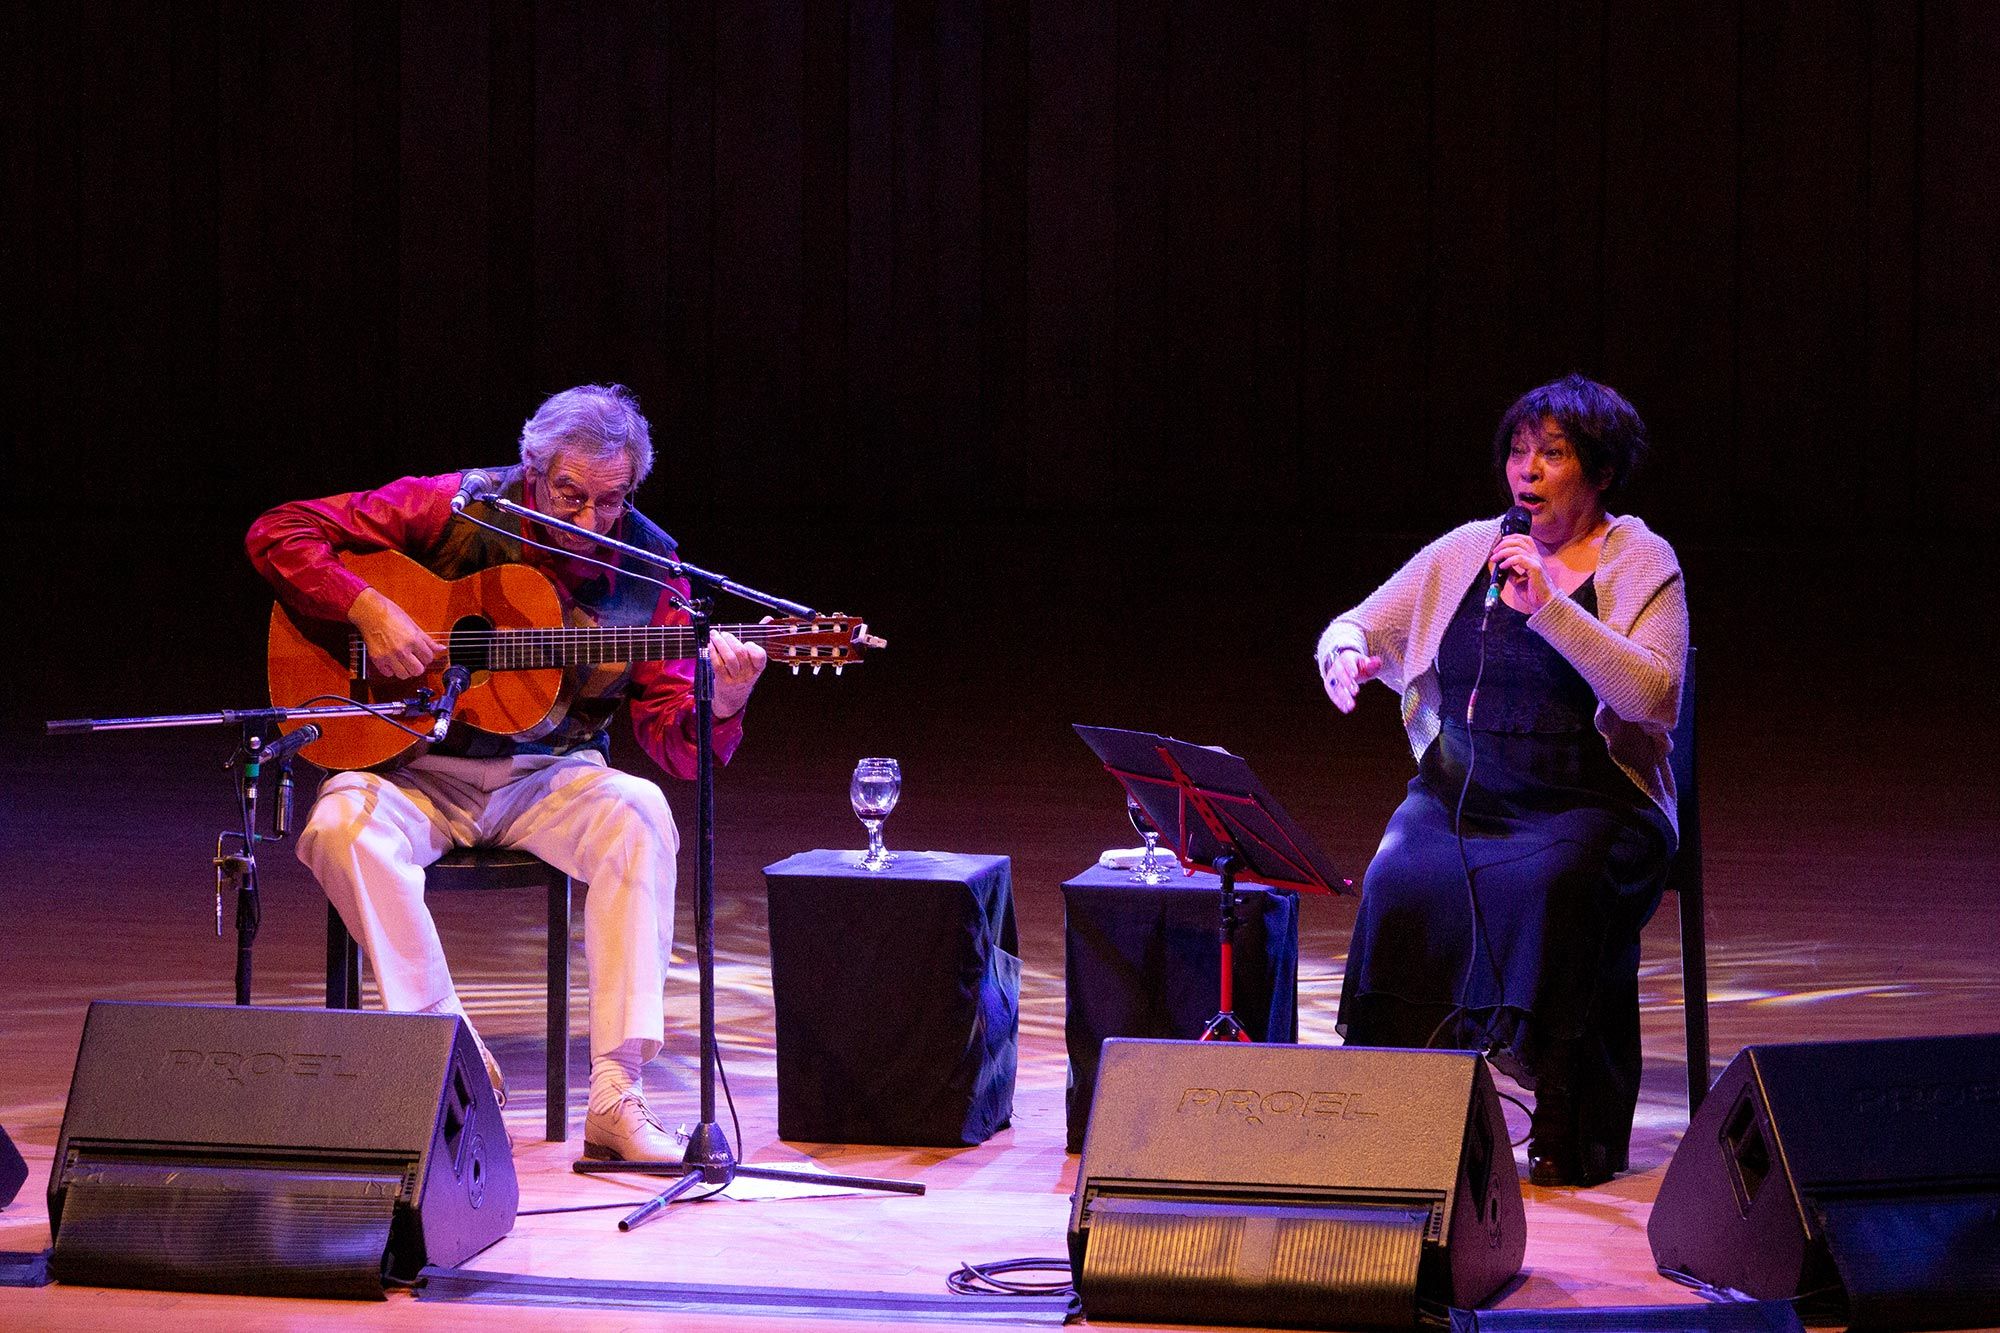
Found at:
[610, 638]
[607, 632]
[569, 635]
[529, 648]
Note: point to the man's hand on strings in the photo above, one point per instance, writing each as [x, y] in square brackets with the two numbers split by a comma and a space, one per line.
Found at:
[737, 665]
[397, 645]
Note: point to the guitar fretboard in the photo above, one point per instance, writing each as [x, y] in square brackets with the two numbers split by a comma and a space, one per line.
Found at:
[541, 649]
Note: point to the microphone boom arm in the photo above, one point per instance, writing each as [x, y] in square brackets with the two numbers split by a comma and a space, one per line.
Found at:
[707, 579]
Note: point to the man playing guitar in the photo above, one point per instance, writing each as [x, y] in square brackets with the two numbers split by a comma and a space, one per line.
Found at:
[549, 792]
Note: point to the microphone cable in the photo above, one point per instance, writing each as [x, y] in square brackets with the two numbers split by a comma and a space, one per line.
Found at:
[1476, 913]
[1517, 521]
[990, 1278]
[379, 712]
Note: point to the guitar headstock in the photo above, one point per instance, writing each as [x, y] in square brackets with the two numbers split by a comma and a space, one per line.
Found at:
[824, 641]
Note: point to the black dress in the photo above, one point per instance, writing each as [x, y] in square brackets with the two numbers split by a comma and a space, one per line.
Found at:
[1568, 858]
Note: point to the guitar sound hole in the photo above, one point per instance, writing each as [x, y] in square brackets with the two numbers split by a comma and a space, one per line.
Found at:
[471, 644]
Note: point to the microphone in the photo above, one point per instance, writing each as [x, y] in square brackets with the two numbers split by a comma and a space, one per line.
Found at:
[456, 678]
[297, 740]
[474, 485]
[1513, 523]
[282, 749]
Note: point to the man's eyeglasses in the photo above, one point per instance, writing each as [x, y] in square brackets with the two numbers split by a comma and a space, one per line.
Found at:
[566, 501]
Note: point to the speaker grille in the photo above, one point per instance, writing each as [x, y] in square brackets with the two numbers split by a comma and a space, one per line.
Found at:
[1315, 1266]
[1917, 1262]
[246, 1231]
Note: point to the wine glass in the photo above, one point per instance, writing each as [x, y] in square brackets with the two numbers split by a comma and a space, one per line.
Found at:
[1152, 867]
[873, 791]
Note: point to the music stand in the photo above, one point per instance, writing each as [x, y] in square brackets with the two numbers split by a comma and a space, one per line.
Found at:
[1221, 819]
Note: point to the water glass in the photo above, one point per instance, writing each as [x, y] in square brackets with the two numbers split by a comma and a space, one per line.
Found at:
[873, 791]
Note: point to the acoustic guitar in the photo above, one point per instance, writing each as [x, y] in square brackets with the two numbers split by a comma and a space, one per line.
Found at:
[507, 624]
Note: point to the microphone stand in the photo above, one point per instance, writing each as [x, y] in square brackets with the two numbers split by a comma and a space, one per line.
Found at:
[236, 849]
[709, 1159]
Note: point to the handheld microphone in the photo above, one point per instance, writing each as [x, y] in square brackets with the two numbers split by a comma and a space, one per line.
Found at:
[474, 485]
[1512, 524]
[282, 749]
[456, 678]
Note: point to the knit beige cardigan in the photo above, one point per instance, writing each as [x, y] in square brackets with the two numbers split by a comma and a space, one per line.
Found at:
[1632, 652]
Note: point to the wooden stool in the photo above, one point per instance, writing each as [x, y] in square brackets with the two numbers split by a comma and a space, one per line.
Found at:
[484, 868]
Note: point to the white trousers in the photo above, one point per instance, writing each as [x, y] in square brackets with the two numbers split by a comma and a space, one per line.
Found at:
[370, 835]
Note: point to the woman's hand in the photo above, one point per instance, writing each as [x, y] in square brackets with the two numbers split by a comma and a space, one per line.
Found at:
[1345, 673]
[1527, 578]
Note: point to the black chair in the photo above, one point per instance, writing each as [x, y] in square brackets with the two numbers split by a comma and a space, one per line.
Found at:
[1684, 878]
[482, 869]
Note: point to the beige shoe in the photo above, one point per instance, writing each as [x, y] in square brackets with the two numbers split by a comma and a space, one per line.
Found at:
[493, 1073]
[629, 1132]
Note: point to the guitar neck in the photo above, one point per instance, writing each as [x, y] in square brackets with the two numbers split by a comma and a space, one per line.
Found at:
[540, 649]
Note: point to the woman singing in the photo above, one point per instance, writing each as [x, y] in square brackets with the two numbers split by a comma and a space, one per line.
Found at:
[1502, 910]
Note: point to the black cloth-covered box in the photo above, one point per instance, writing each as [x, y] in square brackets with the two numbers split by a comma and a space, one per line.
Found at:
[897, 995]
[1144, 960]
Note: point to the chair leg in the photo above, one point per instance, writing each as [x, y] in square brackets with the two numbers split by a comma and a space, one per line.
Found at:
[1694, 992]
[343, 964]
[557, 1081]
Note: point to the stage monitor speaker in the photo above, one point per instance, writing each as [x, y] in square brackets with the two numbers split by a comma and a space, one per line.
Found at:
[1863, 1176]
[13, 1171]
[296, 1152]
[1298, 1186]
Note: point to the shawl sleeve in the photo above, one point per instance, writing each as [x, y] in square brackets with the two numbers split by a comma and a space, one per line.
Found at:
[1381, 624]
[1633, 651]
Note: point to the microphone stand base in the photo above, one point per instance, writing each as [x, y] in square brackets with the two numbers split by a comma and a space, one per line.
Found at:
[1224, 1027]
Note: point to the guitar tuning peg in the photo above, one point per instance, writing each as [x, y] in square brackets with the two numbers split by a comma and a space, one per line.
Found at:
[842, 667]
[816, 668]
[795, 668]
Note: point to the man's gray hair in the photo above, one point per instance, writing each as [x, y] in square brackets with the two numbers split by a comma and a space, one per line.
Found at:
[594, 420]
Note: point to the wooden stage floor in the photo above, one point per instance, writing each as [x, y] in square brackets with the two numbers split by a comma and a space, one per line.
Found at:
[1851, 867]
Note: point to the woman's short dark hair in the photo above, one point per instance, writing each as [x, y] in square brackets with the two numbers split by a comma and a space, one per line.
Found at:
[1606, 431]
